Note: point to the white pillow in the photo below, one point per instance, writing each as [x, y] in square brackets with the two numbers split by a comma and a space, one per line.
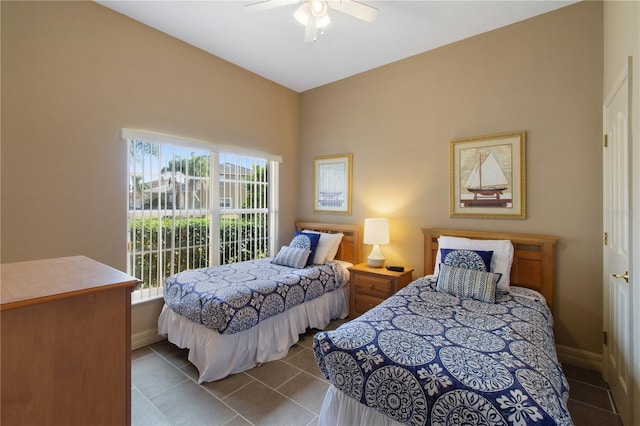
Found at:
[335, 239]
[500, 261]
[327, 246]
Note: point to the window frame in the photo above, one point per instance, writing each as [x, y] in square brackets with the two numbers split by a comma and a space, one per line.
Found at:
[214, 210]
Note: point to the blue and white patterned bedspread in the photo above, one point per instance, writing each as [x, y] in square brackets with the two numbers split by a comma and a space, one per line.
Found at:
[426, 357]
[235, 297]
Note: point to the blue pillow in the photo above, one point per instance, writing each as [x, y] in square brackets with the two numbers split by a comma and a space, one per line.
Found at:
[306, 241]
[477, 260]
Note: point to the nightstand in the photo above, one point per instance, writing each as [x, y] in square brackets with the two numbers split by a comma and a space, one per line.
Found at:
[370, 286]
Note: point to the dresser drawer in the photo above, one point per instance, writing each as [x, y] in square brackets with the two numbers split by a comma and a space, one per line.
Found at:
[372, 286]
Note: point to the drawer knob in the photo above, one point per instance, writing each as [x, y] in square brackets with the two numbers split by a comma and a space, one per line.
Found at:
[371, 286]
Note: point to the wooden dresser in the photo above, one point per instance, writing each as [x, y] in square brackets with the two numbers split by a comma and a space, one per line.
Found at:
[371, 286]
[66, 343]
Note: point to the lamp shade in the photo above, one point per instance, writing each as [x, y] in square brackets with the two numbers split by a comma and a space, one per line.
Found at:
[376, 231]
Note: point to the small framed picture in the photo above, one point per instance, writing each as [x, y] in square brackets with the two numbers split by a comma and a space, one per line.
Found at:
[488, 176]
[332, 184]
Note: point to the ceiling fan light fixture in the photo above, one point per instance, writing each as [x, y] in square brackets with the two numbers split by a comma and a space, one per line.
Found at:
[319, 8]
[307, 11]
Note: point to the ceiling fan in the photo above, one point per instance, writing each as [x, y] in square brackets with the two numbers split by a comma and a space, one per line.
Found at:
[313, 14]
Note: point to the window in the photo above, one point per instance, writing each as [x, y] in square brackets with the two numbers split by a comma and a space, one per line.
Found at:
[192, 206]
[225, 203]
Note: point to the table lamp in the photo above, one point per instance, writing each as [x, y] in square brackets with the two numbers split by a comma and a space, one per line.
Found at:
[376, 231]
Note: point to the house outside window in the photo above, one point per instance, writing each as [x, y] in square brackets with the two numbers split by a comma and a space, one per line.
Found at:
[193, 206]
[225, 202]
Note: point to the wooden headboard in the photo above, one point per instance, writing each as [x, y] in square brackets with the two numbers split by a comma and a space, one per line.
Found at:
[533, 259]
[349, 249]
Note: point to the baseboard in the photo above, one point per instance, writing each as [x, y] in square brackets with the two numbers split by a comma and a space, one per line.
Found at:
[579, 358]
[145, 338]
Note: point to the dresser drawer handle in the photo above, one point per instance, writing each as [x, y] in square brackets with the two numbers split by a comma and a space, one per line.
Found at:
[370, 286]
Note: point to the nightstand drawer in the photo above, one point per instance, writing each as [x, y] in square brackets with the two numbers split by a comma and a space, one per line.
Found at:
[364, 303]
[372, 286]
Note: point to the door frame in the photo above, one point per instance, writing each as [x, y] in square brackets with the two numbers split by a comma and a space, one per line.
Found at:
[634, 261]
[634, 241]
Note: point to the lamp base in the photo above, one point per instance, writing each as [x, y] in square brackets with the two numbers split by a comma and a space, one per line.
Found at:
[375, 259]
[375, 263]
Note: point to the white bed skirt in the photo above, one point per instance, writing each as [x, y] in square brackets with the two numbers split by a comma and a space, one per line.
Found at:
[339, 409]
[217, 355]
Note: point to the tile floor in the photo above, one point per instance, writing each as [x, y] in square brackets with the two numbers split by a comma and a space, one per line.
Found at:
[284, 392]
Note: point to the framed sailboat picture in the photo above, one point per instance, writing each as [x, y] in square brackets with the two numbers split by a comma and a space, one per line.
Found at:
[488, 176]
[332, 184]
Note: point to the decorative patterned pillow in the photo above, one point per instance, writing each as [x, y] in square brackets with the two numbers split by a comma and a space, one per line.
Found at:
[479, 260]
[294, 257]
[463, 282]
[306, 241]
[500, 261]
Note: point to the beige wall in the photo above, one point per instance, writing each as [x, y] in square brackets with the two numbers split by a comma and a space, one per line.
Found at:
[73, 75]
[544, 76]
[79, 73]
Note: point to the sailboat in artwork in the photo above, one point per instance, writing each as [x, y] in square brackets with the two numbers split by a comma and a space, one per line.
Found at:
[486, 182]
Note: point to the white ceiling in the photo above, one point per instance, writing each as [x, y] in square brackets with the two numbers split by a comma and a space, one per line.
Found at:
[271, 43]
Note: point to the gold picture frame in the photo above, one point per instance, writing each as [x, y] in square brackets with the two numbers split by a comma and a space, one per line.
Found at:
[332, 184]
[488, 176]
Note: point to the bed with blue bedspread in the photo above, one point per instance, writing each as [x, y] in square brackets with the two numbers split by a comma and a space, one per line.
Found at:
[234, 317]
[432, 355]
[235, 297]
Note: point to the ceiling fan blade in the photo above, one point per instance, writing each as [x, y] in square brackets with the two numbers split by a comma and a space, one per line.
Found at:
[302, 13]
[268, 4]
[355, 8]
[311, 30]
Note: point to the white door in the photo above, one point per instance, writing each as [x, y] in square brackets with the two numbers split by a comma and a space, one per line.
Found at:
[616, 198]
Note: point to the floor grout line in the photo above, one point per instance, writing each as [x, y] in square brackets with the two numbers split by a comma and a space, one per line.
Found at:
[200, 385]
[282, 394]
[290, 378]
[592, 406]
[613, 404]
[587, 383]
